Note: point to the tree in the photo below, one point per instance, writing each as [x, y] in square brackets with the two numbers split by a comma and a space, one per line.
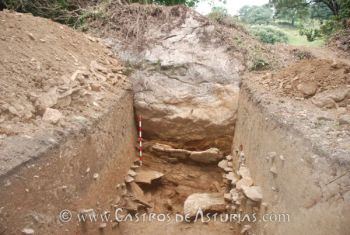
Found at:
[291, 14]
[335, 6]
[320, 11]
[256, 14]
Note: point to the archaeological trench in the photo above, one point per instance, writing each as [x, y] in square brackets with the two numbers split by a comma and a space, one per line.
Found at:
[215, 136]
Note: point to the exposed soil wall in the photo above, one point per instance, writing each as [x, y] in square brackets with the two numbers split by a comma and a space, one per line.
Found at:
[62, 177]
[297, 175]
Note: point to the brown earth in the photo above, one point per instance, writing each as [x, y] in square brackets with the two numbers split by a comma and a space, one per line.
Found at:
[317, 75]
[44, 65]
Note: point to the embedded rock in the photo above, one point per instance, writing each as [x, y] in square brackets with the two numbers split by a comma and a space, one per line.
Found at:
[211, 155]
[187, 86]
[205, 202]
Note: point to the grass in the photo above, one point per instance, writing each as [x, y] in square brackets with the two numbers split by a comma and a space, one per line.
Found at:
[296, 40]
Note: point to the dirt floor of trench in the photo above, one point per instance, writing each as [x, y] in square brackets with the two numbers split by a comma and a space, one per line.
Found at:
[166, 196]
[180, 180]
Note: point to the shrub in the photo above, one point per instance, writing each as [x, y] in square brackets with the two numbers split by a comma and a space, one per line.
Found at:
[269, 35]
[310, 33]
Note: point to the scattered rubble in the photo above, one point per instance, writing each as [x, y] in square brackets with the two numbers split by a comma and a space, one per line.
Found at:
[44, 85]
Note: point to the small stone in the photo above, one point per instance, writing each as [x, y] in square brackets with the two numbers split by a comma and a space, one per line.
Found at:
[334, 65]
[244, 172]
[31, 36]
[231, 177]
[147, 176]
[341, 110]
[273, 169]
[46, 100]
[227, 197]
[246, 228]
[234, 195]
[307, 88]
[344, 119]
[87, 170]
[228, 169]
[95, 176]
[244, 182]
[132, 173]
[89, 212]
[133, 167]
[229, 157]
[52, 115]
[282, 158]
[272, 155]
[223, 164]
[27, 231]
[324, 102]
[102, 225]
[95, 86]
[264, 205]
[129, 179]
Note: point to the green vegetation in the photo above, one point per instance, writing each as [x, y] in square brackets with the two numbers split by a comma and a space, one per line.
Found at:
[269, 35]
[331, 16]
[295, 39]
[256, 14]
[297, 22]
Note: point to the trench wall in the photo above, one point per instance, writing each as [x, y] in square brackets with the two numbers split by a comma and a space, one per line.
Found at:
[304, 186]
[33, 194]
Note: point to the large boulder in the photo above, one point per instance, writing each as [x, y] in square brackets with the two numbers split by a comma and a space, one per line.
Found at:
[186, 84]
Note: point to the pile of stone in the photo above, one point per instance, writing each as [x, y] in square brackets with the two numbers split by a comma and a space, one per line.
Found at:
[240, 191]
[173, 155]
[130, 194]
[239, 185]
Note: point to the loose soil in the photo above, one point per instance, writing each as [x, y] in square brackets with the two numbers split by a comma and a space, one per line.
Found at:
[41, 59]
[323, 74]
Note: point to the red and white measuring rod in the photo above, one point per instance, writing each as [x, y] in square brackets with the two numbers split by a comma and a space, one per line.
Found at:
[140, 139]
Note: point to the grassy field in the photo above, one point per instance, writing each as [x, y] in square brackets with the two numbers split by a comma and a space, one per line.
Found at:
[296, 40]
